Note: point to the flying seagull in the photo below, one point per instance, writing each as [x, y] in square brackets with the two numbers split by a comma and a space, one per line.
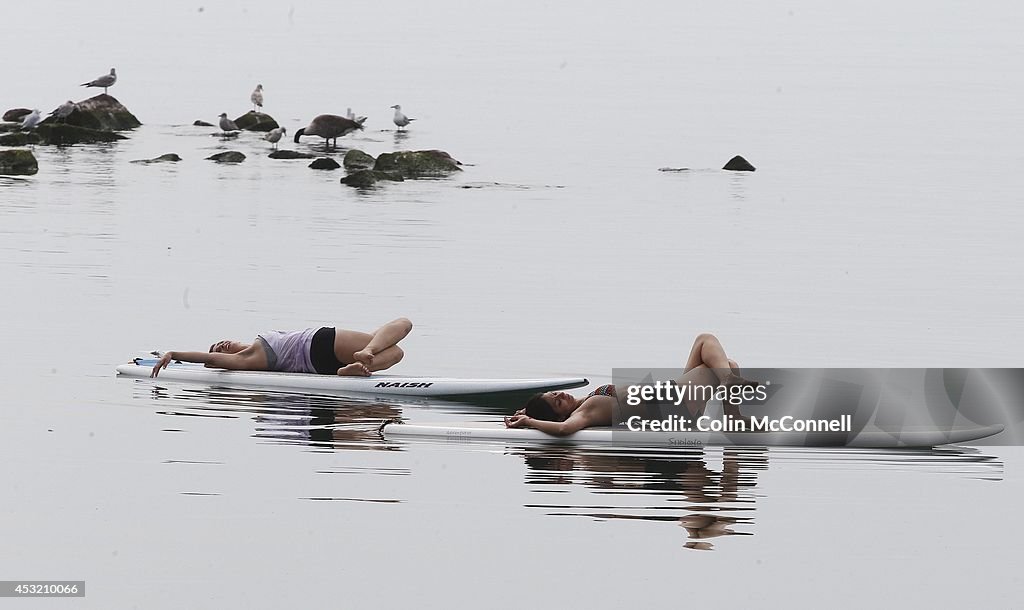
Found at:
[107, 80]
[400, 119]
[274, 135]
[226, 124]
[257, 98]
[329, 127]
[31, 120]
[63, 111]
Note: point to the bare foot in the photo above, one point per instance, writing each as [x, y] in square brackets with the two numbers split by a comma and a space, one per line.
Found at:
[356, 369]
[365, 356]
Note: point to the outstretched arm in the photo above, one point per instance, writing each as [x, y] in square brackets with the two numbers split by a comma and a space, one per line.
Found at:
[241, 361]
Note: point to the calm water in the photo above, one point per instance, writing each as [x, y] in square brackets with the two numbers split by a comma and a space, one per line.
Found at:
[881, 229]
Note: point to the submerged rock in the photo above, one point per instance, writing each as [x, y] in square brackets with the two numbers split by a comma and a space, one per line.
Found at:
[16, 114]
[18, 162]
[256, 121]
[290, 154]
[172, 157]
[739, 164]
[357, 159]
[368, 177]
[324, 163]
[198, 123]
[417, 163]
[102, 112]
[231, 156]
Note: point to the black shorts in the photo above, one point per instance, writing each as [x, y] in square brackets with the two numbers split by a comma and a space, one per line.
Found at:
[321, 352]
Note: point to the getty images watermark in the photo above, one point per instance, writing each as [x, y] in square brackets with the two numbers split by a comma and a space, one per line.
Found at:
[692, 398]
[819, 407]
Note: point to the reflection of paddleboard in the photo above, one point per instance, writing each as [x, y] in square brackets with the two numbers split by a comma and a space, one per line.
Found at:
[496, 431]
[375, 384]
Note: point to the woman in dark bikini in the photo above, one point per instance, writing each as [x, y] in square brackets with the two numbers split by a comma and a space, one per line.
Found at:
[328, 351]
[561, 414]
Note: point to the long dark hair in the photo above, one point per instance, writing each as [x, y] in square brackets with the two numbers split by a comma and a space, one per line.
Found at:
[538, 407]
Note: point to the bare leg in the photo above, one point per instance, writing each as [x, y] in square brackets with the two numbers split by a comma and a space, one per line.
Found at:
[353, 346]
[707, 350]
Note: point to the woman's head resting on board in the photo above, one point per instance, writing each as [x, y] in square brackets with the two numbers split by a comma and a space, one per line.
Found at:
[227, 347]
[551, 406]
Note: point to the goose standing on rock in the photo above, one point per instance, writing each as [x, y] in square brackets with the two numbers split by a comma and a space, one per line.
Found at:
[274, 135]
[257, 98]
[63, 111]
[329, 127]
[226, 124]
[31, 120]
[107, 80]
[400, 119]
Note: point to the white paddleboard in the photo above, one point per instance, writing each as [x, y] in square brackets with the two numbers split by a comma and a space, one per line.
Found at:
[496, 431]
[395, 385]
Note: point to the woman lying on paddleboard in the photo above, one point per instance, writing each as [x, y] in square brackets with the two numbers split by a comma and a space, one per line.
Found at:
[328, 351]
[561, 413]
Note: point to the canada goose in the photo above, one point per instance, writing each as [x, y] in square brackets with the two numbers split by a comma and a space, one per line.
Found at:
[400, 119]
[329, 127]
[257, 98]
[226, 124]
[274, 135]
[107, 80]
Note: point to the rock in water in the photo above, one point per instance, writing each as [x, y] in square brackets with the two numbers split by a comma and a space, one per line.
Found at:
[256, 121]
[739, 164]
[59, 134]
[368, 177]
[161, 159]
[416, 163]
[16, 114]
[357, 159]
[104, 113]
[18, 162]
[324, 163]
[290, 154]
[198, 123]
[231, 156]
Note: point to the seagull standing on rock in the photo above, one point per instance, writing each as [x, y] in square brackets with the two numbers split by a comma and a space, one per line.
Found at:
[400, 119]
[226, 124]
[63, 111]
[31, 120]
[274, 135]
[257, 98]
[107, 80]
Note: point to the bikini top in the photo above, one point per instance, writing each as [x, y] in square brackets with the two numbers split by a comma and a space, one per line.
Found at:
[605, 390]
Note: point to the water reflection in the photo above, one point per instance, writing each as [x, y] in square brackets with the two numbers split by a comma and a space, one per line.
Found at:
[706, 499]
[323, 422]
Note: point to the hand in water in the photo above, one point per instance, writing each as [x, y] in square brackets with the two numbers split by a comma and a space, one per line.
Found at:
[161, 364]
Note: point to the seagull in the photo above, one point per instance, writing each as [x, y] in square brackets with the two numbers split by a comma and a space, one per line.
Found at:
[257, 98]
[63, 111]
[107, 80]
[31, 120]
[274, 135]
[226, 124]
[400, 119]
[329, 127]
